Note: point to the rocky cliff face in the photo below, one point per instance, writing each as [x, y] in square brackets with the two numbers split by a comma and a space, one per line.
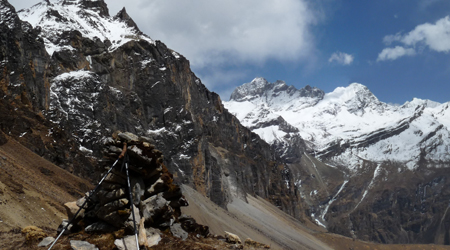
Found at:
[92, 80]
[25, 90]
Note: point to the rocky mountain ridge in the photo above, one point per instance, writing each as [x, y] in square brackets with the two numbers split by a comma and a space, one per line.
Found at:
[346, 125]
[381, 156]
[67, 84]
[87, 86]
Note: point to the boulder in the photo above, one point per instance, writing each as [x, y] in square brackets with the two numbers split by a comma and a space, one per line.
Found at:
[112, 206]
[156, 187]
[63, 225]
[153, 236]
[126, 243]
[105, 196]
[153, 206]
[108, 186]
[232, 238]
[82, 245]
[129, 222]
[116, 178]
[137, 189]
[178, 231]
[99, 227]
[46, 241]
[142, 234]
[153, 240]
[117, 218]
[128, 137]
[72, 208]
[190, 225]
[80, 201]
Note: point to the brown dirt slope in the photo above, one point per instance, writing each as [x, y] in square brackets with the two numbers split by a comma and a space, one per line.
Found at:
[32, 191]
[263, 222]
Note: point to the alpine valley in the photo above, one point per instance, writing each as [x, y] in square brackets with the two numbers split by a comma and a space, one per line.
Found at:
[291, 168]
[365, 168]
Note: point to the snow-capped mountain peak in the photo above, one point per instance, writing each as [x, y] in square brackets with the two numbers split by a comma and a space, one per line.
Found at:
[90, 18]
[354, 98]
[277, 96]
[346, 125]
[8, 15]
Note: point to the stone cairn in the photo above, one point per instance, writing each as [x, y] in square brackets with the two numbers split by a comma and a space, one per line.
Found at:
[156, 199]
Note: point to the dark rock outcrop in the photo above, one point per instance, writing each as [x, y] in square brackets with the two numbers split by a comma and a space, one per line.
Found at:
[65, 105]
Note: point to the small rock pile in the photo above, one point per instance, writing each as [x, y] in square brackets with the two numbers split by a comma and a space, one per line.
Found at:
[156, 199]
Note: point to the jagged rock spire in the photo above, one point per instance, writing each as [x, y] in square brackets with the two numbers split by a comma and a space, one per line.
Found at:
[123, 16]
[96, 5]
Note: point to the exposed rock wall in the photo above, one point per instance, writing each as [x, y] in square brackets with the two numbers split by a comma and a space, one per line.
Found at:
[85, 91]
[24, 62]
[396, 206]
[25, 95]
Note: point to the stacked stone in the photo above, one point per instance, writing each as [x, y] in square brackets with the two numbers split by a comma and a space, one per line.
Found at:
[156, 199]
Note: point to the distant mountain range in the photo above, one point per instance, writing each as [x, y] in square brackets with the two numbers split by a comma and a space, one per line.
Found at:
[383, 169]
[72, 75]
[346, 126]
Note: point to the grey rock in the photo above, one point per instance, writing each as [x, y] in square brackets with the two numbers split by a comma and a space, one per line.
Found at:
[153, 205]
[128, 137]
[156, 187]
[82, 245]
[104, 196]
[138, 189]
[178, 231]
[116, 178]
[108, 141]
[63, 225]
[114, 149]
[126, 243]
[101, 227]
[110, 186]
[147, 139]
[110, 207]
[46, 241]
[153, 240]
[81, 201]
[129, 222]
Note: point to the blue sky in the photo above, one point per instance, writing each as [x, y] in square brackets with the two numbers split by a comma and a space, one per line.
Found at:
[399, 49]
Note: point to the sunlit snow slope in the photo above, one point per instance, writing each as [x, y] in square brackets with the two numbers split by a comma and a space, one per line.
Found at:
[348, 124]
[90, 18]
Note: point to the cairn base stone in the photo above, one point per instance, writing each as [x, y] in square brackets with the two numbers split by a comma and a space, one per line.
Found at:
[82, 245]
[126, 243]
[46, 241]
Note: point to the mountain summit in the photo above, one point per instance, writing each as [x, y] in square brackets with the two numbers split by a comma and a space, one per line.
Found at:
[380, 159]
[90, 18]
[350, 118]
[276, 94]
[86, 74]
[71, 75]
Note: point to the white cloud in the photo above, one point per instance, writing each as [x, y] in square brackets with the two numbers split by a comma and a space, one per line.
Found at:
[392, 38]
[394, 53]
[341, 58]
[433, 36]
[227, 32]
